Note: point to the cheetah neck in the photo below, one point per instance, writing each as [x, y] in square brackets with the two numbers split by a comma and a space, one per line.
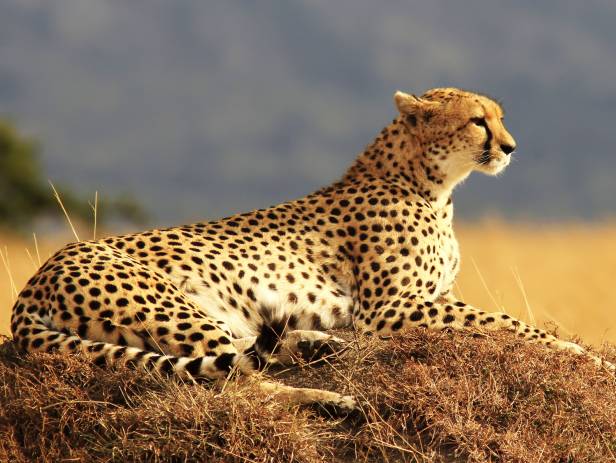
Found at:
[399, 155]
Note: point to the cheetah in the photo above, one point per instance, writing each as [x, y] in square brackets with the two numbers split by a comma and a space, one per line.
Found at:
[374, 251]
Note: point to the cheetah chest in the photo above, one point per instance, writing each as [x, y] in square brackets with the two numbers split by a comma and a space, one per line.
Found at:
[450, 255]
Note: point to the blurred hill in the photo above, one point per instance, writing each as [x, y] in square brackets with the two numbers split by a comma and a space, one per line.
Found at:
[204, 108]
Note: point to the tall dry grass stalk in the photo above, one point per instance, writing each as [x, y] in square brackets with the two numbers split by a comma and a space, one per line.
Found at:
[68, 217]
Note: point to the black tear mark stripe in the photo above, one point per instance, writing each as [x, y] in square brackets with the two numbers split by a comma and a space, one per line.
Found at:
[486, 145]
[481, 121]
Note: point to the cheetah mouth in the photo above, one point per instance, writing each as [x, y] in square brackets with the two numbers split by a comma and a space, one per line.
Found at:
[484, 158]
[492, 163]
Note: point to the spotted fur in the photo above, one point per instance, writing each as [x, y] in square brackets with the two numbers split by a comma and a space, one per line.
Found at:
[375, 251]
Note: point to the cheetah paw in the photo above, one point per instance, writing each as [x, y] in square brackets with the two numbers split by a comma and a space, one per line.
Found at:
[345, 406]
[309, 346]
[577, 349]
[314, 348]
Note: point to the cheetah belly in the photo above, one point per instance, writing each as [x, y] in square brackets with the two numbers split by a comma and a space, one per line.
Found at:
[303, 306]
[449, 271]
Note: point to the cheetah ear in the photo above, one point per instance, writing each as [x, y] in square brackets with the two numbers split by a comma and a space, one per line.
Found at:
[406, 103]
[411, 104]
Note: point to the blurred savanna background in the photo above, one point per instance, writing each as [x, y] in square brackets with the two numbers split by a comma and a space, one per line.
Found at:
[159, 113]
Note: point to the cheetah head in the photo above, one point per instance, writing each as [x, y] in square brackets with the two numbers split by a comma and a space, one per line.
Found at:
[459, 130]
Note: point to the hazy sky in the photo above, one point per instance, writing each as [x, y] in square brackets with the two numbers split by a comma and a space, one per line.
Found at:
[204, 108]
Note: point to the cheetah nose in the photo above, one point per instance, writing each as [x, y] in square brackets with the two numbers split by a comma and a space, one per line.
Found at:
[507, 149]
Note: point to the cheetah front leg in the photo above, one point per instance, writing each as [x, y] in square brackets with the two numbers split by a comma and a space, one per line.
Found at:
[332, 403]
[452, 314]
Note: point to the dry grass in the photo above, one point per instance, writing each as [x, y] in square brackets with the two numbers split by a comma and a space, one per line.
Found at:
[427, 396]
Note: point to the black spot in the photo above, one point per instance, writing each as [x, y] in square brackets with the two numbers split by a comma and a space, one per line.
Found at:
[194, 366]
[224, 362]
[96, 347]
[52, 347]
[227, 265]
[396, 326]
[270, 335]
[196, 337]
[119, 353]
[187, 349]
[150, 363]
[167, 364]
[111, 288]
[316, 322]
[100, 361]
[24, 332]
[162, 331]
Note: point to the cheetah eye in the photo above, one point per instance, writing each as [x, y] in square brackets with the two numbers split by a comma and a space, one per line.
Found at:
[480, 122]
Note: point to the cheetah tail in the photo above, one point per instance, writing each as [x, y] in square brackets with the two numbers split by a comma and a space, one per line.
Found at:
[33, 335]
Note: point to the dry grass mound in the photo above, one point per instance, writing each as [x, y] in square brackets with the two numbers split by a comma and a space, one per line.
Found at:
[427, 397]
